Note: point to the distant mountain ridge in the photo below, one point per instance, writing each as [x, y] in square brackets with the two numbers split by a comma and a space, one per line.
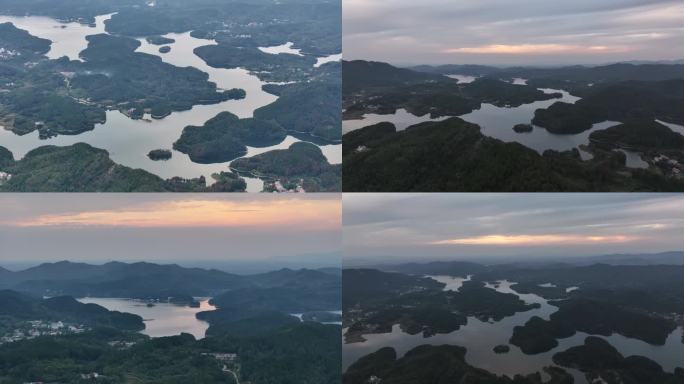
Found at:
[611, 72]
[663, 258]
[147, 280]
[18, 306]
[659, 258]
[359, 75]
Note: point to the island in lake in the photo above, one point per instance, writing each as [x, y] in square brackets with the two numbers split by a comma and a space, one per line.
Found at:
[509, 320]
[472, 288]
[614, 127]
[159, 322]
[211, 301]
[87, 91]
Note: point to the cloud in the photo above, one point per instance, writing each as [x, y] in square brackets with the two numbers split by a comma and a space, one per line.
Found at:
[188, 228]
[534, 240]
[420, 226]
[288, 213]
[537, 32]
[535, 49]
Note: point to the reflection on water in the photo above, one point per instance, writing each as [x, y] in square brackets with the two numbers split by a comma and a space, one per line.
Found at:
[129, 141]
[481, 337]
[162, 319]
[498, 122]
[401, 119]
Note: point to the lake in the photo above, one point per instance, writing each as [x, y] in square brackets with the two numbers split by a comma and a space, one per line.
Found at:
[463, 79]
[129, 141]
[328, 59]
[480, 337]
[68, 39]
[401, 119]
[453, 283]
[284, 48]
[498, 122]
[163, 319]
[299, 316]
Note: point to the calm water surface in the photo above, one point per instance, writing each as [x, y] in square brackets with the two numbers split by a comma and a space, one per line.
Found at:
[480, 337]
[401, 119]
[128, 141]
[463, 79]
[453, 283]
[284, 48]
[162, 319]
[68, 39]
[498, 122]
[328, 59]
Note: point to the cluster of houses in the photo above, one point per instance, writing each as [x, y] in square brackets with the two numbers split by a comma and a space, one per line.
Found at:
[226, 358]
[37, 328]
[670, 166]
[4, 177]
[278, 187]
[91, 376]
[6, 54]
[121, 344]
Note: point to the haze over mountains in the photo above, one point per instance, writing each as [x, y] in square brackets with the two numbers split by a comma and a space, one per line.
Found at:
[148, 280]
[47, 335]
[614, 127]
[479, 262]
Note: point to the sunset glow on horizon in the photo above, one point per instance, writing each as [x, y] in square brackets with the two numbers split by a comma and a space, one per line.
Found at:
[262, 231]
[535, 240]
[532, 49]
[498, 33]
[312, 214]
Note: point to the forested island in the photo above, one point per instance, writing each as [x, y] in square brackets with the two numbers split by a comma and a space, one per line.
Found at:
[83, 168]
[641, 101]
[605, 300]
[302, 164]
[70, 96]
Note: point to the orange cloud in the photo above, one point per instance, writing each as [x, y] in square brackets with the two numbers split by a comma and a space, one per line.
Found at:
[516, 49]
[532, 240]
[291, 213]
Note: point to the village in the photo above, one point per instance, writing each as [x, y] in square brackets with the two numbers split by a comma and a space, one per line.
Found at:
[36, 328]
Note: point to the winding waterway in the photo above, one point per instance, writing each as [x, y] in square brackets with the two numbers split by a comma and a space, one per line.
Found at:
[161, 319]
[284, 48]
[401, 119]
[452, 283]
[480, 337]
[68, 39]
[498, 122]
[129, 141]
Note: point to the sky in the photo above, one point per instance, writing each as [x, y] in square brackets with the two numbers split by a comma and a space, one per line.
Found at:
[242, 231]
[505, 32]
[386, 228]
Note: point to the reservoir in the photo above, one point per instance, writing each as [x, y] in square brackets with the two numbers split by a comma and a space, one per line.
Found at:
[162, 319]
[129, 141]
[480, 337]
[498, 122]
[401, 119]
